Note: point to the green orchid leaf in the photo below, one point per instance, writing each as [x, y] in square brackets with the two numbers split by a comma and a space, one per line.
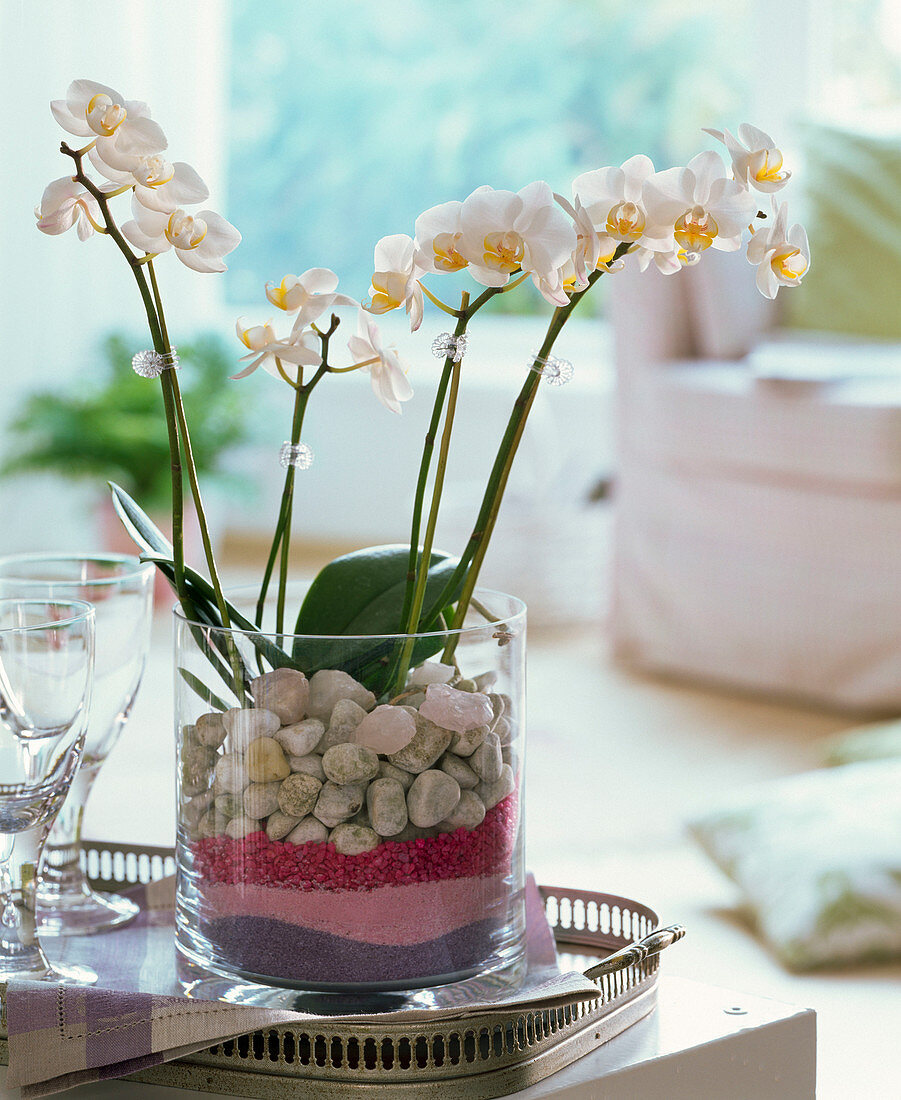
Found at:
[362, 592]
[356, 599]
[200, 689]
[138, 524]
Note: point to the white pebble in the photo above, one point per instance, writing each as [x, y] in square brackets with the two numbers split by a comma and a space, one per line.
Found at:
[389, 771]
[345, 717]
[246, 723]
[387, 806]
[336, 804]
[230, 774]
[298, 794]
[431, 672]
[460, 770]
[426, 747]
[279, 825]
[350, 763]
[328, 686]
[311, 764]
[310, 830]
[353, 840]
[210, 729]
[492, 793]
[487, 761]
[301, 737]
[260, 800]
[241, 826]
[431, 798]
[465, 744]
[469, 813]
[284, 691]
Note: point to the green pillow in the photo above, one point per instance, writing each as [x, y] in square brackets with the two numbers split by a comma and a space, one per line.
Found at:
[852, 184]
[818, 857]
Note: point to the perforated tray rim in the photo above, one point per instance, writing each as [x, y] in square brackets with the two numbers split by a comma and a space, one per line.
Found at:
[488, 1054]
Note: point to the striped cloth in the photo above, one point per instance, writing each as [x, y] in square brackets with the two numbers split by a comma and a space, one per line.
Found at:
[62, 1036]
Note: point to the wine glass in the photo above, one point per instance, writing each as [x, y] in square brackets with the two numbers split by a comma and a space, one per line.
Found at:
[46, 662]
[120, 588]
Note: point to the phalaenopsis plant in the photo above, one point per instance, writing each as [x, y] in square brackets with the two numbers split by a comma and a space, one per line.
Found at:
[630, 214]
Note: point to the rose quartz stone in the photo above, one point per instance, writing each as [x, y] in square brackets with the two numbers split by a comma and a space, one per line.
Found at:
[456, 710]
[386, 729]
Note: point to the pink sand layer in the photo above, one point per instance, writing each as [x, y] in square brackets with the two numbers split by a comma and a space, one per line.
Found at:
[389, 915]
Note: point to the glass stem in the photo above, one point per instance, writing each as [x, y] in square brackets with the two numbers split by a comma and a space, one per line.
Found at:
[61, 873]
[20, 952]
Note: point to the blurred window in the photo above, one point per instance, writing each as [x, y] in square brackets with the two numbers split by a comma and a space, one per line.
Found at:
[348, 120]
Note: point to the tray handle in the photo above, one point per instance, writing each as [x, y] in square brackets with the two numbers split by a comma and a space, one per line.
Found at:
[637, 952]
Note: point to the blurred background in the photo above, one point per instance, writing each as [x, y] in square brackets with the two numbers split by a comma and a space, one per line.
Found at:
[704, 522]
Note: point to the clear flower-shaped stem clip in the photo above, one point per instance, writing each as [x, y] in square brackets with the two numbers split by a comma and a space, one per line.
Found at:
[448, 346]
[298, 455]
[151, 364]
[556, 372]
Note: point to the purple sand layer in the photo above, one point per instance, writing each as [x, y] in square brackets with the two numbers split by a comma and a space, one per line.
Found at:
[262, 945]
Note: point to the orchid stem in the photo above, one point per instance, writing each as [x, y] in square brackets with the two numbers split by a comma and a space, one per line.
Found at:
[437, 301]
[474, 553]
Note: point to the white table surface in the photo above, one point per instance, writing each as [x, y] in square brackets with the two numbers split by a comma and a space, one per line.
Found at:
[701, 1043]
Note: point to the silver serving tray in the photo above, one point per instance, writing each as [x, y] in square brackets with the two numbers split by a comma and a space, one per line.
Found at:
[478, 1056]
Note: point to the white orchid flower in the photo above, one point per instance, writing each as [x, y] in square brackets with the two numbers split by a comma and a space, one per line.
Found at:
[507, 231]
[65, 203]
[158, 183]
[438, 233]
[698, 206]
[395, 281]
[587, 253]
[200, 241]
[756, 162]
[96, 111]
[389, 376]
[308, 295]
[265, 347]
[614, 202]
[782, 255]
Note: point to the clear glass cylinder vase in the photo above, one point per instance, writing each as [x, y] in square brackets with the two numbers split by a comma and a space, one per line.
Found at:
[343, 826]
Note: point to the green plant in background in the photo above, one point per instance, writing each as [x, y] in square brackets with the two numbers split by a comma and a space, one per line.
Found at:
[111, 428]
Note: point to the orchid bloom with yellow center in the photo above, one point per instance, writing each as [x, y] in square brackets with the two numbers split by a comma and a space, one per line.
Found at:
[698, 207]
[266, 347]
[437, 236]
[308, 295]
[65, 203]
[200, 241]
[158, 184]
[100, 113]
[782, 255]
[756, 162]
[395, 281]
[613, 199]
[506, 231]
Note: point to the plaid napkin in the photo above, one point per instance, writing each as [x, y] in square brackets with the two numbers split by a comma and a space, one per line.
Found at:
[61, 1036]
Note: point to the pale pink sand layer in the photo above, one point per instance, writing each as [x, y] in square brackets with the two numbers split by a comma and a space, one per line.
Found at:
[388, 915]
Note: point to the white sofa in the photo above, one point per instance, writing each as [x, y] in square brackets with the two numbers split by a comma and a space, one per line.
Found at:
[758, 495]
